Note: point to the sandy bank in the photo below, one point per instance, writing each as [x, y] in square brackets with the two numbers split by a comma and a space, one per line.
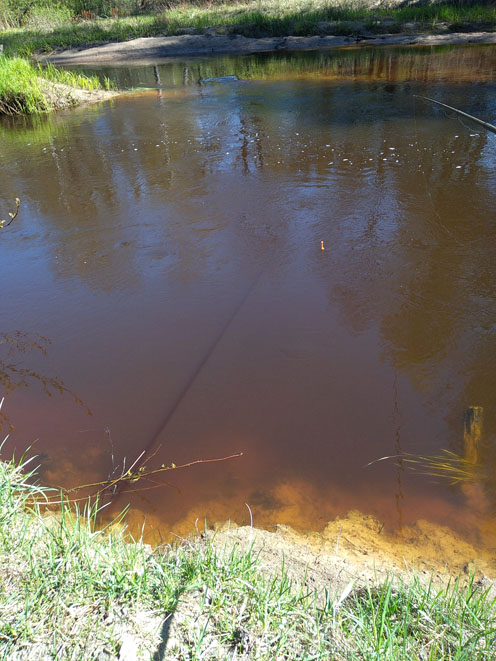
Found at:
[356, 546]
[351, 551]
[154, 49]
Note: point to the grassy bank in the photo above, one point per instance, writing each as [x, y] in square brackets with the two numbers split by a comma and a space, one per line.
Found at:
[44, 26]
[68, 590]
[26, 88]
[50, 26]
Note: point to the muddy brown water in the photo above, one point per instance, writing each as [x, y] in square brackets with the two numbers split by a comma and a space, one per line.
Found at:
[164, 286]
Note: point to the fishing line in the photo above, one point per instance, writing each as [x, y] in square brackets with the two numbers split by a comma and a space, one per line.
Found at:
[422, 169]
[450, 115]
[489, 127]
[153, 444]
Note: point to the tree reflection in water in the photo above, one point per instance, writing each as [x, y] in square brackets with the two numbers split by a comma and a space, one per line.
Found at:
[14, 374]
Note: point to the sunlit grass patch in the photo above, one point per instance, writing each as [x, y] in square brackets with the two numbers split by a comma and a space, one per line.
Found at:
[25, 88]
[395, 620]
[26, 41]
[21, 89]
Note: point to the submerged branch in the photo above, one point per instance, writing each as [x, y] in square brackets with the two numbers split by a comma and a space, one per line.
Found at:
[130, 477]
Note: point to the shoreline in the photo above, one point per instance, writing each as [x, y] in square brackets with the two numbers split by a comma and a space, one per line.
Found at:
[240, 593]
[356, 542]
[148, 50]
[353, 547]
[59, 96]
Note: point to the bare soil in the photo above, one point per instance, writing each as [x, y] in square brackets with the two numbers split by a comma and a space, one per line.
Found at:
[356, 546]
[61, 96]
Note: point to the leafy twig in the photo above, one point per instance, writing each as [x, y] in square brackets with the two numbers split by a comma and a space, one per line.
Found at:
[132, 476]
[13, 215]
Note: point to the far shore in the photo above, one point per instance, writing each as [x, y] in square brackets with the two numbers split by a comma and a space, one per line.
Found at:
[148, 50]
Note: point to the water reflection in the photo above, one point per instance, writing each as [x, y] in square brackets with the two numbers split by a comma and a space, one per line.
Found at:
[17, 371]
[360, 64]
[146, 222]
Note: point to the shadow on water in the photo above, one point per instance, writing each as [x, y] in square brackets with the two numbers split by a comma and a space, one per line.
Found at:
[144, 219]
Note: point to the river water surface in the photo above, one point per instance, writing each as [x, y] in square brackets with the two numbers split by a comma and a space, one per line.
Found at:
[298, 265]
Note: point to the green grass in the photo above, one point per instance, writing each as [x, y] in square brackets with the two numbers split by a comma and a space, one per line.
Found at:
[23, 86]
[26, 42]
[69, 590]
[20, 87]
[252, 18]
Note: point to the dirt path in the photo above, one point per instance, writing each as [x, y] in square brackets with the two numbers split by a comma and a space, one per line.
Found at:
[154, 49]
